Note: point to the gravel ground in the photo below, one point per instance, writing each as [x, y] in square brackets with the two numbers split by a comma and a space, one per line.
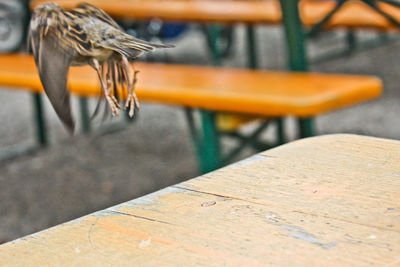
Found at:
[81, 174]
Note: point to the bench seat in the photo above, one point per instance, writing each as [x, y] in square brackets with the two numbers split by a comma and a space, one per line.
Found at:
[266, 93]
[353, 14]
[209, 89]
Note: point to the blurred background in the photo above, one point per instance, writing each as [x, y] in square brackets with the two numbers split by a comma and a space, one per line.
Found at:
[80, 174]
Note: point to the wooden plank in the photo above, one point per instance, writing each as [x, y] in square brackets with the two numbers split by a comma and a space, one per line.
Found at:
[269, 93]
[353, 14]
[176, 10]
[324, 201]
[368, 172]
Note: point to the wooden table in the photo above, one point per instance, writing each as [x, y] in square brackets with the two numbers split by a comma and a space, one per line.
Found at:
[324, 201]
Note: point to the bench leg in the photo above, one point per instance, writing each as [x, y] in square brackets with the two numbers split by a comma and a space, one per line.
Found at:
[251, 140]
[251, 47]
[194, 134]
[207, 143]
[41, 133]
[216, 50]
[296, 51]
[294, 35]
[210, 147]
[280, 131]
[85, 119]
[351, 42]
[306, 126]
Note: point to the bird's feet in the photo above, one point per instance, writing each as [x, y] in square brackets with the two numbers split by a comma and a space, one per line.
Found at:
[132, 103]
[114, 105]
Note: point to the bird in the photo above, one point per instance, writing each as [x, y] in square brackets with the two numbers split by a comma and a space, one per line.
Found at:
[84, 35]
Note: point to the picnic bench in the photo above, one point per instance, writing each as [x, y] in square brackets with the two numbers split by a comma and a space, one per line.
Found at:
[323, 201]
[353, 14]
[269, 94]
[315, 15]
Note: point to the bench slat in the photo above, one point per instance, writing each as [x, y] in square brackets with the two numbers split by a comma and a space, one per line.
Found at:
[268, 93]
[352, 14]
[218, 11]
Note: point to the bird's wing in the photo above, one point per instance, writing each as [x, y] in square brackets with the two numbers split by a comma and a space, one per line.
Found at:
[126, 44]
[117, 39]
[88, 10]
[53, 54]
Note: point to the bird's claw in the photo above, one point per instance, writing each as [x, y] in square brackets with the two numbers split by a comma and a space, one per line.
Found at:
[114, 105]
[115, 101]
[132, 103]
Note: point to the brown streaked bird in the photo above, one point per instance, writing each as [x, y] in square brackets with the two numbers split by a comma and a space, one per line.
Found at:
[85, 35]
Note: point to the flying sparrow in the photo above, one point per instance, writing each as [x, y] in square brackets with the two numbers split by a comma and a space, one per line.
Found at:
[85, 35]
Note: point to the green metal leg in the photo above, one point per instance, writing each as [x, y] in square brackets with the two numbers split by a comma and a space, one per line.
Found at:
[351, 41]
[206, 142]
[280, 129]
[41, 133]
[194, 134]
[296, 51]
[210, 154]
[210, 150]
[317, 28]
[251, 47]
[216, 50]
[306, 127]
[251, 140]
[85, 119]
[294, 35]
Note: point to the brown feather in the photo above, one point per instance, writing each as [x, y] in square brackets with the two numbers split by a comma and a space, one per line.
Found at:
[81, 36]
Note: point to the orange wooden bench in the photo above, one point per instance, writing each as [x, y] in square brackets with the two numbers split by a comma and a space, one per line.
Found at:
[351, 15]
[354, 14]
[266, 93]
[262, 93]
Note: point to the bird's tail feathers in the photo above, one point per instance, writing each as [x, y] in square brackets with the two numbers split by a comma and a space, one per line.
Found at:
[144, 45]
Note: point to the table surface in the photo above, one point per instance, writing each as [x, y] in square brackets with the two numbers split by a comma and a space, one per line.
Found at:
[353, 14]
[325, 201]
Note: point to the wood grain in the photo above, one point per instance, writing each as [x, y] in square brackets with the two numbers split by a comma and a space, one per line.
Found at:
[325, 201]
